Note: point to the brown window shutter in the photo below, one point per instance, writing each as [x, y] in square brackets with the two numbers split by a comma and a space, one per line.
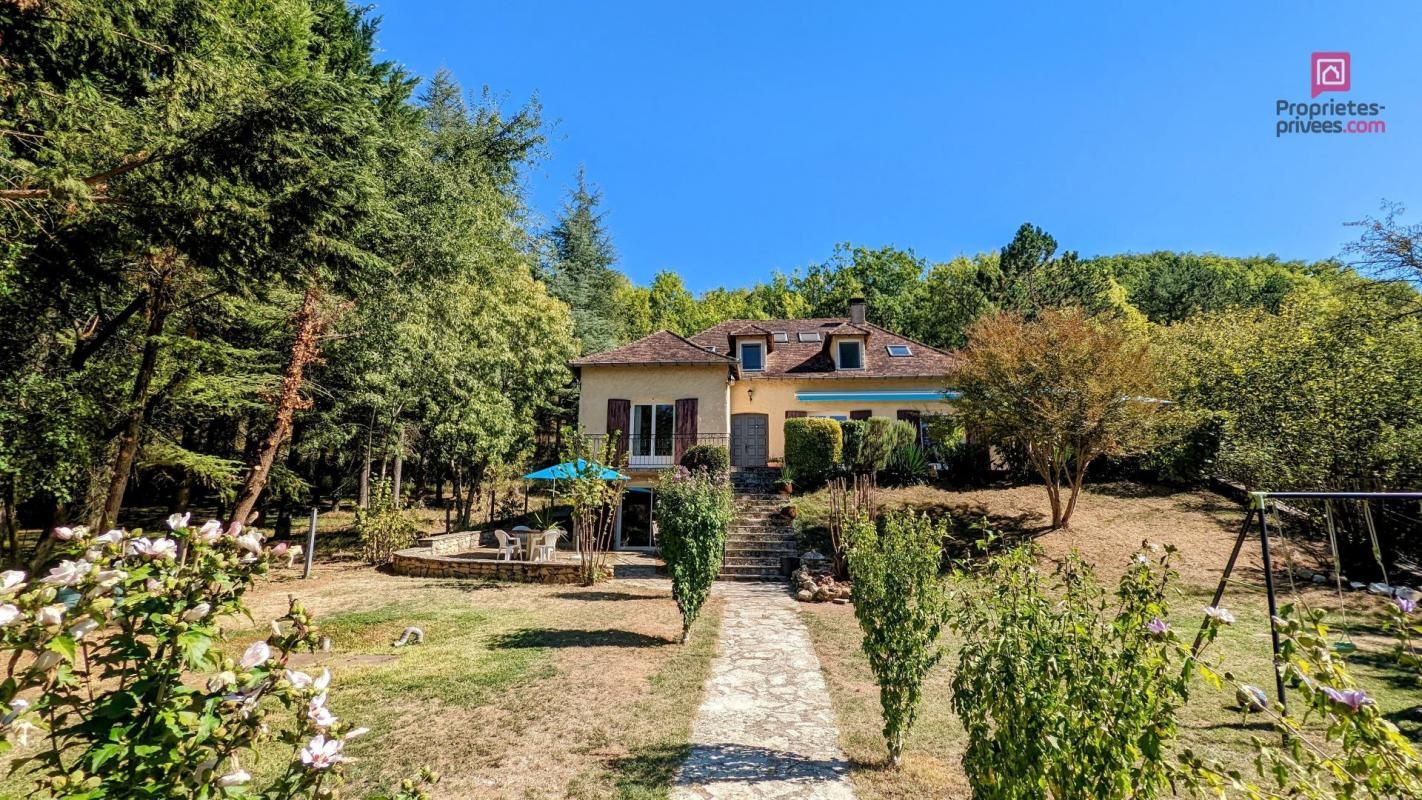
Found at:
[619, 422]
[686, 410]
[791, 414]
[863, 413]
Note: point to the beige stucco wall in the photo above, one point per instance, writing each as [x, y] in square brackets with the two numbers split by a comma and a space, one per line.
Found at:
[656, 385]
[718, 400]
[774, 396]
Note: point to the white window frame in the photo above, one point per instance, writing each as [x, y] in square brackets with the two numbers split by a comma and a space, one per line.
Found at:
[741, 354]
[907, 351]
[782, 337]
[806, 337]
[839, 351]
[651, 458]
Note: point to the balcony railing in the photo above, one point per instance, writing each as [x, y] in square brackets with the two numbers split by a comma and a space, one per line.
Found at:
[658, 451]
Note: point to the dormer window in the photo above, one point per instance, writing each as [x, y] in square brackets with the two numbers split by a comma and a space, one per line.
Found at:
[752, 356]
[899, 350]
[851, 354]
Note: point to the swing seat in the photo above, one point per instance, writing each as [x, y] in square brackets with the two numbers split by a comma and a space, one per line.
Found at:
[1344, 647]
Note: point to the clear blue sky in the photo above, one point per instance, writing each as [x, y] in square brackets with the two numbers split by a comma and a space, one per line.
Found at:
[732, 139]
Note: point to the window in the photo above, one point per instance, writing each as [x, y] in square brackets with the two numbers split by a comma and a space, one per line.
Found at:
[850, 355]
[752, 356]
[713, 348]
[782, 336]
[652, 428]
[809, 336]
[899, 350]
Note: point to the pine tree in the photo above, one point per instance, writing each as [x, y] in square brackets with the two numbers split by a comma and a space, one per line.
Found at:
[581, 274]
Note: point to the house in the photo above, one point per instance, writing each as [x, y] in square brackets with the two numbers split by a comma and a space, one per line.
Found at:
[736, 383]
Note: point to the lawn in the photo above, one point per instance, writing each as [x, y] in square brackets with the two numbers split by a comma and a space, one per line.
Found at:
[518, 691]
[1112, 523]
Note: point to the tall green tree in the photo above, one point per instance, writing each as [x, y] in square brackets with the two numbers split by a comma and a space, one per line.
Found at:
[581, 271]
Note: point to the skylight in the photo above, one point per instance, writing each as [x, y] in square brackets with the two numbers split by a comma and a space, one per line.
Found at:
[809, 336]
[899, 350]
[782, 336]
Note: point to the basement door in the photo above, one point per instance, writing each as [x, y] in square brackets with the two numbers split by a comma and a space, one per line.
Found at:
[750, 440]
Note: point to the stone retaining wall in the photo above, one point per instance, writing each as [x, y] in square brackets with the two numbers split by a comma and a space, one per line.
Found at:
[444, 544]
[421, 562]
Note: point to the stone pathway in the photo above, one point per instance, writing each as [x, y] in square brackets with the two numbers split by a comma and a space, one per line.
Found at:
[765, 728]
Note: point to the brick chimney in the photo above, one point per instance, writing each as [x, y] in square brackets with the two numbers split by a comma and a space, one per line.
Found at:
[856, 310]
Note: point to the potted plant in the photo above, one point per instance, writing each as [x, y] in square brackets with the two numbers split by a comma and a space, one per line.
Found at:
[785, 484]
[789, 512]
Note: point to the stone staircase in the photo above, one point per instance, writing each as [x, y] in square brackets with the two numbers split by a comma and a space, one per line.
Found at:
[758, 538]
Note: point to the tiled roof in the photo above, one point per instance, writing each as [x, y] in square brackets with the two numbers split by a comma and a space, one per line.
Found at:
[662, 347]
[794, 358]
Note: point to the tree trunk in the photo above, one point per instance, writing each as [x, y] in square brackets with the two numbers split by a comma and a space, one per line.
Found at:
[397, 471]
[133, 425]
[304, 350]
[11, 509]
[365, 464]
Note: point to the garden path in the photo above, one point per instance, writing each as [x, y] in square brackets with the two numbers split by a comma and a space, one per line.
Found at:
[765, 728]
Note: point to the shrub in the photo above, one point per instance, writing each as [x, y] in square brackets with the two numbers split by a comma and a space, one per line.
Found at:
[1064, 692]
[852, 431]
[383, 528]
[116, 669]
[900, 602]
[908, 467]
[693, 512]
[713, 458]
[813, 446]
[1188, 456]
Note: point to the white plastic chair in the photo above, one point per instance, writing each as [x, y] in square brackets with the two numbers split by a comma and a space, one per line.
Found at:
[508, 547]
[549, 549]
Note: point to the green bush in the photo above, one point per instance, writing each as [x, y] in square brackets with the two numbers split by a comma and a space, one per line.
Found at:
[1066, 691]
[383, 528]
[693, 512]
[852, 431]
[813, 446]
[713, 458]
[900, 602]
[1188, 457]
[908, 466]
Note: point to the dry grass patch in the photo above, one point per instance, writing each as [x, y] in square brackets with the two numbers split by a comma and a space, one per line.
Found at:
[518, 691]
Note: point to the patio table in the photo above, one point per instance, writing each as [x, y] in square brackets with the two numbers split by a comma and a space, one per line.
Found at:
[529, 539]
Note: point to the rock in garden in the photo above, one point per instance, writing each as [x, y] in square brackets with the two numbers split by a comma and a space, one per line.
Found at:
[1380, 588]
[412, 635]
[840, 601]
[1356, 585]
[804, 595]
[1251, 698]
[1406, 593]
[1319, 577]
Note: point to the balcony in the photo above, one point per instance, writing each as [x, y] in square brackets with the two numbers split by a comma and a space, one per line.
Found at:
[659, 451]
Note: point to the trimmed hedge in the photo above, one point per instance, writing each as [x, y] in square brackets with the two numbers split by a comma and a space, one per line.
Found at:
[813, 446]
[713, 458]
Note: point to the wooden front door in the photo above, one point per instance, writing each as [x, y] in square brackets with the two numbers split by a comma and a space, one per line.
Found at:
[750, 440]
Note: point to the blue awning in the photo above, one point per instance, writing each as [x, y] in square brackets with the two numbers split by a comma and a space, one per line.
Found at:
[569, 470]
[881, 395]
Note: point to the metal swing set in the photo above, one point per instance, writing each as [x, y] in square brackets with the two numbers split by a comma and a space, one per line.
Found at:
[1257, 519]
